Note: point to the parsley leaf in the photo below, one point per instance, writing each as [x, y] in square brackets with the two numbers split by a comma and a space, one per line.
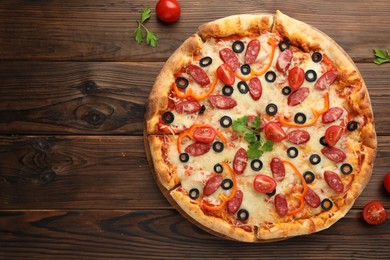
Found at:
[151, 38]
[251, 134]
[381, 56]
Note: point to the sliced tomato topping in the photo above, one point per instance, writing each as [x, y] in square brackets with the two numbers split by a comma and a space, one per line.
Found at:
[204, 134]
[274, 132]
[264, 183]
[374, 213]
[296, 77]
[226, 74]
[333, 134]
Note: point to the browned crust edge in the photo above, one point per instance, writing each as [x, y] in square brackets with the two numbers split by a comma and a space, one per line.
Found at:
[158, 98]
[239, 25]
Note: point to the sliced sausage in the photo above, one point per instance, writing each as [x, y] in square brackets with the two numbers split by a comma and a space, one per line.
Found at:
[284, 60]
[222, 101]
[281, 206]
[252, 50]
[187, 107]
[312, 199]
[240, 161]
[235, 203]
[334, 181]
[327, 79]
[332, 115]
[197, 149]
[229, 57]
[277, 169]
[334, 154]
[298, 136]
[255, 88]
[298, 96]
[212, 184]
[198, 74]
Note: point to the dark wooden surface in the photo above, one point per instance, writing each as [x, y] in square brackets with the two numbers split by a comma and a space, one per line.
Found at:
[74, 179]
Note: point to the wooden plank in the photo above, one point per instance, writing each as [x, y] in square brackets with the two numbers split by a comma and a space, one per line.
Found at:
[108, 98]
[93, 30]
[104, 172]
[163, 234]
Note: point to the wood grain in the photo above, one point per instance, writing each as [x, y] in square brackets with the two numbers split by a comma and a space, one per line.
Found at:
[146, 234]
[106, 172]
[108, 98]
[101, 30]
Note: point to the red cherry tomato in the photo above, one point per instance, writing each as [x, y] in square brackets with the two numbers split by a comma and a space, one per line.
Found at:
[264, 183]
[226, 74]
[374, 213]
[168, 10]
[333, 134]
[387, 182]
[296, 77]
[204, 135]
[274, 132]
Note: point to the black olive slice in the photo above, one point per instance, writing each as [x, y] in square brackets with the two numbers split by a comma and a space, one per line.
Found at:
[272, 193]
[292, 152]
[309, 177]
[218, 168]
[245, 69]
[256, 165]
[181, 82]
[271, 109]
[218, 146]
[194, 193]
[286, 90]
[311, 75]
[300, 118]
[283, 45]
[168, 117]
[270, 76]
[242, 215]
[227, 90]
[226, 121]
[346, 168]
[206, 61]
[314, 159]
[243, 87]
[184, 157]
[323, 141]
[202, 109]
[352, 126]
[238, 46]
[316, 57]
[227, 184]
[326, 204]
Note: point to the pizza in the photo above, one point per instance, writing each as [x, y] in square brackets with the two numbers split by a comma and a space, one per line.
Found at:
[259, 127]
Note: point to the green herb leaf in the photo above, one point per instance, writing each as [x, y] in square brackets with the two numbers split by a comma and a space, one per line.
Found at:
[381, 56]
[240, 124]
[254, 150]
[151, 39]
[138, 35]
[256, 123]
[267, 146]
[250, 137]
[145, 15]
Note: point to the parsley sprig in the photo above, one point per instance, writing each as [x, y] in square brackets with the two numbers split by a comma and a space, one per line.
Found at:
[381, 56]
[257, 146]
[151, 38]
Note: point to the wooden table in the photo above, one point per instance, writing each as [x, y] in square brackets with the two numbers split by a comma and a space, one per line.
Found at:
[74, 179]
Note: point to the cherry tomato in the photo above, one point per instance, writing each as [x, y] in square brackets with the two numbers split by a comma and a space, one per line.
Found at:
[264, 183]
[333, 134]
[168, 10]
[387, 182]
[274, 132]
[226, 74]
[204, 135]
[374, 213]
[296, 77]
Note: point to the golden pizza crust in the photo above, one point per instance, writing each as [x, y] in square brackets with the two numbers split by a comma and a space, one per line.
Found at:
[214, 225]
[158, 98]
[238, 25]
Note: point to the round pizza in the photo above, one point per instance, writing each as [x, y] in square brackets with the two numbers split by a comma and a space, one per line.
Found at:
[260, 127]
